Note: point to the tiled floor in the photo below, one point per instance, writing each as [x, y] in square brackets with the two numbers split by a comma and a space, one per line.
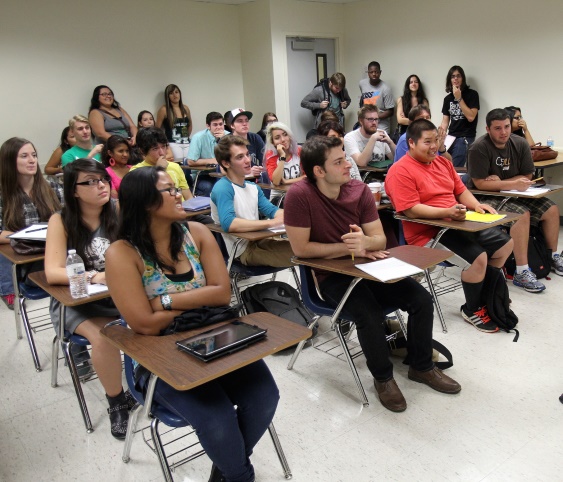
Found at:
[505, 425]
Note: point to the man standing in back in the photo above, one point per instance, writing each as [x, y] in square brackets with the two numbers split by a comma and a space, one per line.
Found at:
[376, 92]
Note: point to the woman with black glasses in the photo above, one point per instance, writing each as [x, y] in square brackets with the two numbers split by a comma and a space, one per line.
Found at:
[88, 224]
[108, 118]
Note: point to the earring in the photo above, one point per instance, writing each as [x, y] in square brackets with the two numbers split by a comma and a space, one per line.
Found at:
[111, 161]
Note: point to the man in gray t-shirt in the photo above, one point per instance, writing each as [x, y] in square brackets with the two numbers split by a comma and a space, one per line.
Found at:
[500, 161]
[375, 91]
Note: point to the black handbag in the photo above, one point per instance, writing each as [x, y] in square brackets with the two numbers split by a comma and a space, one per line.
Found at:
[198, 317]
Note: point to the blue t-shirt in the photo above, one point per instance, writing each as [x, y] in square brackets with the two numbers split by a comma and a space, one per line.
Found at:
[402, 147]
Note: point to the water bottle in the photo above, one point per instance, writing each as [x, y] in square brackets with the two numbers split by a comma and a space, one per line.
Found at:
[76, 275]
[550, 141]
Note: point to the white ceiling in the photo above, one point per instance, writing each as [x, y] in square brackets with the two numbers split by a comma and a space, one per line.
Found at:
[240, 2]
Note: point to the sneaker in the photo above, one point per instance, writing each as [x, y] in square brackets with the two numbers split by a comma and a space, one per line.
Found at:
[527, 280]
[480, 319]
[557, 264]
[9, 301]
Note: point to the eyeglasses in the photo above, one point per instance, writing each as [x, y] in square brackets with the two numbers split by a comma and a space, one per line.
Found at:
[456, 76]
[95, 182]
[106, 94]
[372, 119]
[517, 117]
[173, 191]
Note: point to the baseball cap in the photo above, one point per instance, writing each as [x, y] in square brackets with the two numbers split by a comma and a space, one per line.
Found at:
[239, 111]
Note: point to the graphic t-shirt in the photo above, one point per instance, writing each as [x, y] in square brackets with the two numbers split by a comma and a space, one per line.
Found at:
[459, 125]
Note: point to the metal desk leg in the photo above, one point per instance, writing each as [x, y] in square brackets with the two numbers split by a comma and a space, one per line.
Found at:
[17, 309]
[431, 286]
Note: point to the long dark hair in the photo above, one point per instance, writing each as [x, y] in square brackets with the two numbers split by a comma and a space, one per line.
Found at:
[65, 146]
[406, 97]
[79, 235]
[512, 112]
[95, 101]
[169, 108]
[449, 78]
[138, 196]
[14, 197]
[140, 117]
[265, 119]
[113, 143]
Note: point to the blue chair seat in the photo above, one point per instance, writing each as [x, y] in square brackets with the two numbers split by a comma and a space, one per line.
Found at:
[32, 292]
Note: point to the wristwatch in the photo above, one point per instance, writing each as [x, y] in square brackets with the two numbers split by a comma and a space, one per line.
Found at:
[282, 159]
[166, 302]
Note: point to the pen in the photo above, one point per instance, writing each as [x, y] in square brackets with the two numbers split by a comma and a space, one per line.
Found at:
[538, 179]
[35, 230]
[352, 251]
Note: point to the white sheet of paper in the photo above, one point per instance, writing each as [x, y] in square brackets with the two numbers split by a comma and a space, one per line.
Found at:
[531, 191]
[95, 288]
[388, 269]
[448, 141]
[35, 231]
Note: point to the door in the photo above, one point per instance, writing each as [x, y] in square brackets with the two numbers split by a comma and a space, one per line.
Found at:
[302, 66]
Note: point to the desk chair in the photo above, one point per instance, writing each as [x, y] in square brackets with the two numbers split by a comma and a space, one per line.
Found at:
[320, 307]
[238, 271]
[40, 321]
[160, 414]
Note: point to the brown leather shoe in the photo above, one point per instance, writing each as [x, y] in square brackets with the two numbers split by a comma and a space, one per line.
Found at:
[435, 379]
[390, 395]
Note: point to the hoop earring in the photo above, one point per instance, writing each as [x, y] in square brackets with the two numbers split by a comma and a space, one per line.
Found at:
[111, 161]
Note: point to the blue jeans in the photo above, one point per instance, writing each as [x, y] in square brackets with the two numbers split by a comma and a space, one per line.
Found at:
[458, 150]
[365, 306]
[6, 284]
[227, 434]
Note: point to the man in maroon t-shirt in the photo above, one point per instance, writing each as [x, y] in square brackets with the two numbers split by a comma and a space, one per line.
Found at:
[327, 215]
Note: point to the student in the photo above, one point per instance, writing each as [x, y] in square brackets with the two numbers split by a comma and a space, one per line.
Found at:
[83, 146]
[424, 185]
[500, 161]
[176, 120]
[88, 224]
[282, 158]
[328, 216]
[153, 144]
[108, 118]
[202, 153]
[238, 204]
[26, 198]
[115, 157]
[376, 92]
[54, 165]
[460, 114]
[160, 268]
[328, 95]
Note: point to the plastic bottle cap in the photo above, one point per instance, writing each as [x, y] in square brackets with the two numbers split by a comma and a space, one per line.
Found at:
[72, 251]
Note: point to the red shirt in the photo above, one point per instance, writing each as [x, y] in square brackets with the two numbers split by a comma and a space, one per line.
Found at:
[410, 182]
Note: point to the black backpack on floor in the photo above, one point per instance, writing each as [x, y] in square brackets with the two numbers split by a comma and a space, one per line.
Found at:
[279, 299]
[538, 256]
[496, 297]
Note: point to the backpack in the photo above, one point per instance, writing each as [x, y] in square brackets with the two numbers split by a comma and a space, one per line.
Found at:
[322, 83]
[495, 296]
[538, 256]
[279, 299]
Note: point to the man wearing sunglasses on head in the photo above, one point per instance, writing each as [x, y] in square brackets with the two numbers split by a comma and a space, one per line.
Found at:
[84, 148]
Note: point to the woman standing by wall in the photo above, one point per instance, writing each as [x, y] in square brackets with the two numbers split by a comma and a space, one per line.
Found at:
[176, 120]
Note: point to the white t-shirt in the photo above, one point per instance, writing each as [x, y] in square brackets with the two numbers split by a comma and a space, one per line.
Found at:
[355, 143]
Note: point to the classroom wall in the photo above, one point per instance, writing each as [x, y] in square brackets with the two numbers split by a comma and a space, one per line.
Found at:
[508, 53]
[257, 63]
[52, 55]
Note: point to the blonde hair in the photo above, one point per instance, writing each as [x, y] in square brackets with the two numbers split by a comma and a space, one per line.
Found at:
[77, 118]
[279, 126]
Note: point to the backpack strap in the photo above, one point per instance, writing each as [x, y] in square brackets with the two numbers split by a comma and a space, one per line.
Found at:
[443, 365]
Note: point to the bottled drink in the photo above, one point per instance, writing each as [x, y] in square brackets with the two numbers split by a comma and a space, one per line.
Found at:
[76, 275]
[550, 141]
